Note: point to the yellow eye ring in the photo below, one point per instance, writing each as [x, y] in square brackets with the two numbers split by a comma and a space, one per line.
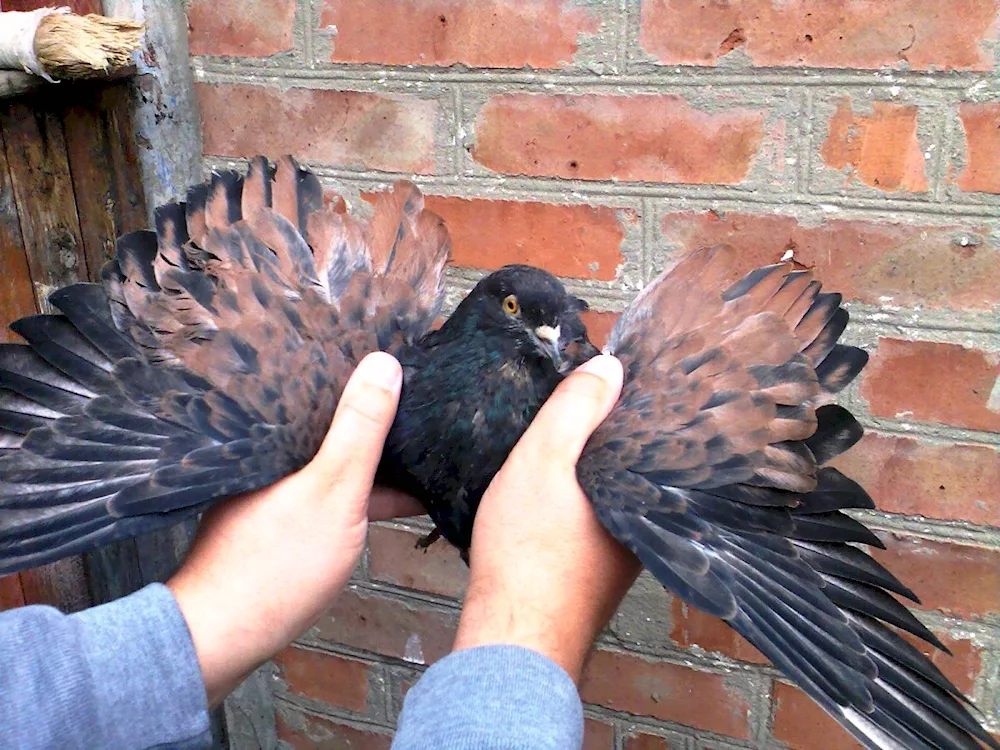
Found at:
[510, 305]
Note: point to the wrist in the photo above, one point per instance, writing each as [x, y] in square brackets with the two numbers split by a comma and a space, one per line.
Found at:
[495, 614]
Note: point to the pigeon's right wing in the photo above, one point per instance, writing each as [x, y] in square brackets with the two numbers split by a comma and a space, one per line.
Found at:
[710, 469]
[209, 362]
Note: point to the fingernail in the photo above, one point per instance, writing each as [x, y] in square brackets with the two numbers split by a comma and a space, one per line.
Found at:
[604, 366]
[381, 369]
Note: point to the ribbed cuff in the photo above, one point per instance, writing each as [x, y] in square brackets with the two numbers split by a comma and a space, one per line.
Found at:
[492, 697]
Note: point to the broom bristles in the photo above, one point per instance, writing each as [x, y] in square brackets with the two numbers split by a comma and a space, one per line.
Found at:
[71, 46]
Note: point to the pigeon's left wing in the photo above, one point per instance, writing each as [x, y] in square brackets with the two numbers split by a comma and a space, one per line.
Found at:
[209, 362]
[710, 469]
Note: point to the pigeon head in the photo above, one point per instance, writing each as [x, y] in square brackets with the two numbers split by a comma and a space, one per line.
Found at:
[535, 313]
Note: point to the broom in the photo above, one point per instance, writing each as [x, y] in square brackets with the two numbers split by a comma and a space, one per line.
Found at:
[58, 45]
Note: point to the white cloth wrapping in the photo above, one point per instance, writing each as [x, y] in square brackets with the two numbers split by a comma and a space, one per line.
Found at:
[17, 40]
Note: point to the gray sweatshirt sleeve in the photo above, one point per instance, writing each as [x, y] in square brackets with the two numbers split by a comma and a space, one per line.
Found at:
[490, 698]
[122, 675]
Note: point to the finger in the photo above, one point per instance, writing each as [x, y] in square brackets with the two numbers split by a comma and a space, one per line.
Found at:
[580, 403]
[353, 445]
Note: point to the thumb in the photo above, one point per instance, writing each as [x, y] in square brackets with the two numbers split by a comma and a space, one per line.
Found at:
[353, 445]
[576, 408]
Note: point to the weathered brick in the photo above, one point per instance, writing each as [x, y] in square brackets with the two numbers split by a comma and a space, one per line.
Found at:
[909, 476]
[597, 735]
[981, 123]
[961, 667]
[599, 325]
[932, 382]
[818, 33]
[327, 678]
[666, 691]
[340, 128]
[656, 138]
[900, 265]
[692, 627]
[304, 731]
[394, 558]
[802, 725]
[237, 27]
[388, 626]
[485, 33]
[956, 579]
[583, 242]
[881, 149]
[643, 741]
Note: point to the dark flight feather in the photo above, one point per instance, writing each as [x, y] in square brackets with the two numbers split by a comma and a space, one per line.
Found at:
[210, 359]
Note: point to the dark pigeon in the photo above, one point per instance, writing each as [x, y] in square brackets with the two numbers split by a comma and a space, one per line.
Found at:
[211, 359]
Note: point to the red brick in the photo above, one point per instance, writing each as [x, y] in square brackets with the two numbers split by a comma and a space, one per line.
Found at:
[877, 263]
[955, 579]
[599, 325]
[802, 725]
[981, 123]
[597, 735]
[394, 558]
[692, 627]
[334, 680]
[881, 149]
[238, 27]
[582, 242]
[643, 741]
[961, 667]
[665, 691]
[304, 731]
[655, 138]
[389, 626]
[341, 128]
[818, 33]
[486, 33]
[932, 382]
[905, 475]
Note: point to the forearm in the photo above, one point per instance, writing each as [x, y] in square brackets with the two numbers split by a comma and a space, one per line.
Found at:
[123, 674]
[491, 698]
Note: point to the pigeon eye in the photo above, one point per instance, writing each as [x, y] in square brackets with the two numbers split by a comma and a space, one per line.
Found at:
[510, 305]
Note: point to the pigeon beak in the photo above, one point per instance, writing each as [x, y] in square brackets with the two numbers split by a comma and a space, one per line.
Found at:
[547, 339]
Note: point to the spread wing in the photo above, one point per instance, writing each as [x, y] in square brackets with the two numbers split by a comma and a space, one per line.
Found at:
[711, 469]
[210, 360]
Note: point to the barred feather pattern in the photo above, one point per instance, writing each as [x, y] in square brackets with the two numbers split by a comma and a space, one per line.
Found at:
[209, 361]
[711, 469]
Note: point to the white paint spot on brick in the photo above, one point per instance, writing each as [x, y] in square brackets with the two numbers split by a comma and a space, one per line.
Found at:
[414, 651]
[993, 403]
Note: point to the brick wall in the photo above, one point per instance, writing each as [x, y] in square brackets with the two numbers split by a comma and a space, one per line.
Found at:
[598, 140]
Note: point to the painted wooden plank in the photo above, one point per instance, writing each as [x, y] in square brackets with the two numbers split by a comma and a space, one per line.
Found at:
[16, 297]
[43, 193]
[107, 182]
[11, 594]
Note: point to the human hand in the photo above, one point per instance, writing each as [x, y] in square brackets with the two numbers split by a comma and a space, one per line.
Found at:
[266, 565]
[544, 573]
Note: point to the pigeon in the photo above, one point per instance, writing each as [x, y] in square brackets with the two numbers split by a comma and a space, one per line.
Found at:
[210, 359]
